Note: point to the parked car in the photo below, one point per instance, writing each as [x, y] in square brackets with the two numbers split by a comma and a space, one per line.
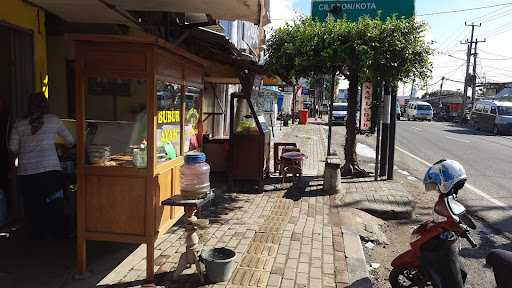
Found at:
[398, 111]
[339, 113]
[419, 111]
[493, 116]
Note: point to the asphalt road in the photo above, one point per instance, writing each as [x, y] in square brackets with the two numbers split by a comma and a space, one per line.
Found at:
[487, 195]
[486, 158]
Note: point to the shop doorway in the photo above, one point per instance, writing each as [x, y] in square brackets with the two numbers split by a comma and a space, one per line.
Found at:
[16, 84]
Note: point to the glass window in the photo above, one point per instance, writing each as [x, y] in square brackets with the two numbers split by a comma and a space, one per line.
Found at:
[115, 111]
[505, 110]
[192, 110]
[168, 119]
[423, 107]
[339, 107]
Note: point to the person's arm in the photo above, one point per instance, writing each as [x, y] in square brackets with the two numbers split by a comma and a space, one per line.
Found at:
[64, 133]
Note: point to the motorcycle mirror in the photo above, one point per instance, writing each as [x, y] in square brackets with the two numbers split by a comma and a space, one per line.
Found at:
[455, 207]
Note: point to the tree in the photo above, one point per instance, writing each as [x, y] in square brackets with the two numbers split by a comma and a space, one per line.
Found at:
[388, 51]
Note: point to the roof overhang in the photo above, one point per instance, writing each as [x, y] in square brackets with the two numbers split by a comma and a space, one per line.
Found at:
[115, 11]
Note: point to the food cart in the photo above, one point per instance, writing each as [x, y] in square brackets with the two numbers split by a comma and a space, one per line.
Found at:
[138, 106]
[249, 141]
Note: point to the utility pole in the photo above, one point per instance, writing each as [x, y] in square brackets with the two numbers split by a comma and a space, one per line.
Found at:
[473, 87]
[468, 63]
[441, 93]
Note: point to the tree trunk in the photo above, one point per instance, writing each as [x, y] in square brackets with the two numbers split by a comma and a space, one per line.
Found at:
[351, 167]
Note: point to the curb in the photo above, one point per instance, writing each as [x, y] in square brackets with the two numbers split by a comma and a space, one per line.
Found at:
[358, 275]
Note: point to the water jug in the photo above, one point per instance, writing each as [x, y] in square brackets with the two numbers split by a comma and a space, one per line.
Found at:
[195, 176]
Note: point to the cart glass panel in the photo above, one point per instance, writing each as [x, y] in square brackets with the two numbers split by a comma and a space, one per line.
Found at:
[116, 132]
[192, 110]
[168, 121]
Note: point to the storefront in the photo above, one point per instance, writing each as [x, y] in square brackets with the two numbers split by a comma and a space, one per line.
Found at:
[138, 106]
[22, 71]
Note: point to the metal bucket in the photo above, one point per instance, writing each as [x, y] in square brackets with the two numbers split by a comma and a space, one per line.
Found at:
[219, 263]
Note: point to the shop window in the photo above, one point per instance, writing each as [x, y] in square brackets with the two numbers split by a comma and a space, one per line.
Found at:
[192, 114]
[168, 120]
[116, 118]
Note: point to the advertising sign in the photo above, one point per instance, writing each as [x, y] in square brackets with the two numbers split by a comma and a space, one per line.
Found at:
[352, 10]
[366, 107]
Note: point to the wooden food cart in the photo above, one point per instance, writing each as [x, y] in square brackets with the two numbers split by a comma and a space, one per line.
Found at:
[249, 143]
[129, 92]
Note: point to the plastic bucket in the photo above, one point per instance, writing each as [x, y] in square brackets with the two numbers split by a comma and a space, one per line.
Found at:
[303, 117]
[219, 263]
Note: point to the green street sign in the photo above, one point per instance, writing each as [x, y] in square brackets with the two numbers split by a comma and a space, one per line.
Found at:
[352, 10]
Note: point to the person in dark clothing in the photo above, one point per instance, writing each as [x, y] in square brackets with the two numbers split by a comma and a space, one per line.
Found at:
[39, 171]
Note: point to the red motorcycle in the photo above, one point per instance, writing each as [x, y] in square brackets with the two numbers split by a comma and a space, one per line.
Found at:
[433, 259]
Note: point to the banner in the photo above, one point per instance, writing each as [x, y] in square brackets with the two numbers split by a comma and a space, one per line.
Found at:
[365, 112]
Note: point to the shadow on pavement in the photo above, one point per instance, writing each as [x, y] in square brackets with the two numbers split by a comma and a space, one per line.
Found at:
[467, 131]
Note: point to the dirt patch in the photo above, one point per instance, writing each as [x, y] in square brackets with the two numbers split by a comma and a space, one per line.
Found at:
[398, 232]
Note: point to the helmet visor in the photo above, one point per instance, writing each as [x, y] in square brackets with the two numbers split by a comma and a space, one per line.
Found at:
[430, 187]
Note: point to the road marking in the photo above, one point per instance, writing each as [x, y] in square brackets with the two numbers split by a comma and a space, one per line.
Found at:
[456, 139]
[416, 128]
[470, 187]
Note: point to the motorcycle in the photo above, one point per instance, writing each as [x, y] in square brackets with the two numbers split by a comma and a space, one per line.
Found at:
[433, 259]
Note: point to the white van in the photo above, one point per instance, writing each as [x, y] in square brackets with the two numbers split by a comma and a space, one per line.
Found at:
[339, 113]
[419, 111]
[493, 116]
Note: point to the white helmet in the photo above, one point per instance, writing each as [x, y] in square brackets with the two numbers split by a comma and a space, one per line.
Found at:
[445, 176]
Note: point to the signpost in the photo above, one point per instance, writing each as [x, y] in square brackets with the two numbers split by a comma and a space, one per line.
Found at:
[352, 10]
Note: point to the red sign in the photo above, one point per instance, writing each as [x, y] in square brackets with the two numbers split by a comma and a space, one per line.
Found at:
[366, 107]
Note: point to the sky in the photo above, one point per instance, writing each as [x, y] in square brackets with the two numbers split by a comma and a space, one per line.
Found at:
[447, 31]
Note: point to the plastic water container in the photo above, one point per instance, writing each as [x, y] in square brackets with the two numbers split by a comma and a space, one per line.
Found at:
[195, 176]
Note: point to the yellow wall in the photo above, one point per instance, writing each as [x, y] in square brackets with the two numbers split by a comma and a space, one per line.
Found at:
[21, 14]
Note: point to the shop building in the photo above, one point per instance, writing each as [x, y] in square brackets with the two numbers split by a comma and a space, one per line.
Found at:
[136, 82]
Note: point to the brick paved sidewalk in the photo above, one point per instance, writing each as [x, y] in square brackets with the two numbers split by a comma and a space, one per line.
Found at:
[283, 237]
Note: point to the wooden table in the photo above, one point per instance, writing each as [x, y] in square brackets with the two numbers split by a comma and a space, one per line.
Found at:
[193, 250]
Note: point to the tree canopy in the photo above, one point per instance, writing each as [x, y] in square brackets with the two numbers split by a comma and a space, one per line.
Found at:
[374, 50]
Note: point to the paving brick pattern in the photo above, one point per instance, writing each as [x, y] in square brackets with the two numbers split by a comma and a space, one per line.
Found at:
[281, 241]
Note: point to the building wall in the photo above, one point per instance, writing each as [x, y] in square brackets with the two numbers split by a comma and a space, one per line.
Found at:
[25, 16]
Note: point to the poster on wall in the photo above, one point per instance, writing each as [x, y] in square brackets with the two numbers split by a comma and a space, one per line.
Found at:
[366, 108]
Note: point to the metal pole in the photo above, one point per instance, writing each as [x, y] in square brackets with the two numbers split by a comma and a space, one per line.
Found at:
[329, 138]
[377, 141]
[392, 133]
[384, 145]
[468, 62]
[473, 92]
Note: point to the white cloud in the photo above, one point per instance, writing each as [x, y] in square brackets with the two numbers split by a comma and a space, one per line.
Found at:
[281, 11]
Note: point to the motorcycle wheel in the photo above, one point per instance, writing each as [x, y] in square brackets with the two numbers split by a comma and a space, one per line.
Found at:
[407, 278]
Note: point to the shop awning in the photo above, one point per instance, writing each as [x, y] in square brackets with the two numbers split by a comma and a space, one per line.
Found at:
[114, 11]
[225, 61]
[86, 11]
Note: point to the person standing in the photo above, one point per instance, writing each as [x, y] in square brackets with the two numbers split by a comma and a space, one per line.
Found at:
[32, 140]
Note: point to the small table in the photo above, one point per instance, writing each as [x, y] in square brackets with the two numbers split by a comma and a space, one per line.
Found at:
[291, 163]
[192, 224]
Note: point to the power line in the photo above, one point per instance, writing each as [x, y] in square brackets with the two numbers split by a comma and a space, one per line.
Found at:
[464, 10]
[494, 54]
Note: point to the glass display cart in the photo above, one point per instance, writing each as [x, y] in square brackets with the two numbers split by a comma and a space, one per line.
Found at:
[249, 142]
[138, 106]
